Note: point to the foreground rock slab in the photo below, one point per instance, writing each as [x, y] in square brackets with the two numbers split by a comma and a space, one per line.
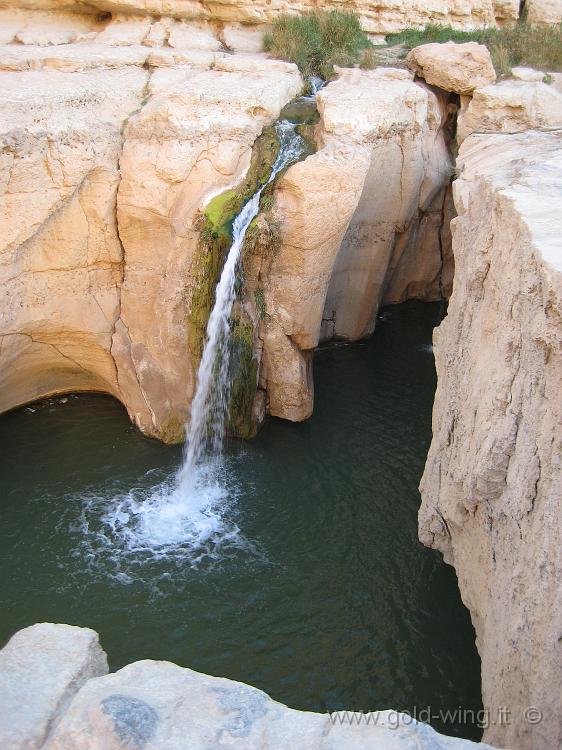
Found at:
[493, 481]
[41, 669]
[155, 705]
[459, 68]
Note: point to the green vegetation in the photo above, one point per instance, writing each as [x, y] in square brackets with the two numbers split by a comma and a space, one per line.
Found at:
[259, 298]
[537, 46]
[244, 379]
[317, 41]
[214, 225]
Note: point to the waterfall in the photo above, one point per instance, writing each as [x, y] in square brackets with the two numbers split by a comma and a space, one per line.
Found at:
[186, 517]
[210, 404]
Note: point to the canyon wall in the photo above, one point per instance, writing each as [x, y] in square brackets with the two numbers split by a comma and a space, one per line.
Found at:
[108, 155]
[381, 17]
[493, 482]
[348, 213]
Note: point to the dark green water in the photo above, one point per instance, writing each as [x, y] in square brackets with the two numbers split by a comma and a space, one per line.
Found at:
[324, 597]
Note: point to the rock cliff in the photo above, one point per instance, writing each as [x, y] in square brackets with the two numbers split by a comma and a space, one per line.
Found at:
[492, 483]
[347, 214]
[380, 17]
[108, 155]
[71, 703]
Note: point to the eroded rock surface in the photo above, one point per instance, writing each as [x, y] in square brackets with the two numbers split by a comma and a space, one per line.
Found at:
[348, 214]
[384, 16]
[61, 258]
[492, 483]
[511, 106]
[41, 668]
[189, 142]
[459, 68]
[108, 153]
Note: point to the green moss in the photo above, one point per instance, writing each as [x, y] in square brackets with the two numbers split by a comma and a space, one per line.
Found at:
[259, 299]
[244, 379]
[215, 236]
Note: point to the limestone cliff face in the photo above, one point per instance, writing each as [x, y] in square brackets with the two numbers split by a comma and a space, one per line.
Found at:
[492, 484]
[61, 258]
[353, 221]
[380, 17]
[191, 140]
[108, 153]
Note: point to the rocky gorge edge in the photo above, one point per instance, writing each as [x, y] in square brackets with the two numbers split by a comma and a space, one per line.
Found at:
[109, 138]
[55, 686]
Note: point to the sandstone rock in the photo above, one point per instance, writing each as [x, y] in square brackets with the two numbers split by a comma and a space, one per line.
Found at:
[74, 313]
[71, 58]
[492, 482]
[193, 36]
[506, 10]
[510, 107]
[125, 30]
[339, 228]
[460, 68]
[243, 38]
[62, 258]
[43, 28]
[41, 668]
[382, 17]
[527, 74]
[160, 706]
[187, 144]
[544, 11]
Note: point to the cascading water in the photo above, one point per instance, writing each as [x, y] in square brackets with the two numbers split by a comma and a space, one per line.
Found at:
[208, 410]
[187, 516]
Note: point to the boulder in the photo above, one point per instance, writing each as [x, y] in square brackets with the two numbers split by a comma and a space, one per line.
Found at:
[459, 68]
[510, 107]
[41, 669]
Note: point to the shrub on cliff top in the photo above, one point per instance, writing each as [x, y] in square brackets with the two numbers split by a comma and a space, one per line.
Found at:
[537, 46]
[317, 41]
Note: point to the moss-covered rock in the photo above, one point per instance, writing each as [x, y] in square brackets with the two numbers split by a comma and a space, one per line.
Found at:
[215, 236]
[244, 379]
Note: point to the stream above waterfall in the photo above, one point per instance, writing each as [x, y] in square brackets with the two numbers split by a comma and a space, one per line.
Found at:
[314, 588]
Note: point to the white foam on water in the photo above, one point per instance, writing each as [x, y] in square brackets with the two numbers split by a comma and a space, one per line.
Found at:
[188, 517]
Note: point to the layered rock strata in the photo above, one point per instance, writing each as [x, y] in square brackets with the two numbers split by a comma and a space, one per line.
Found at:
[382, 17]
[58, 673]
[493, 481]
